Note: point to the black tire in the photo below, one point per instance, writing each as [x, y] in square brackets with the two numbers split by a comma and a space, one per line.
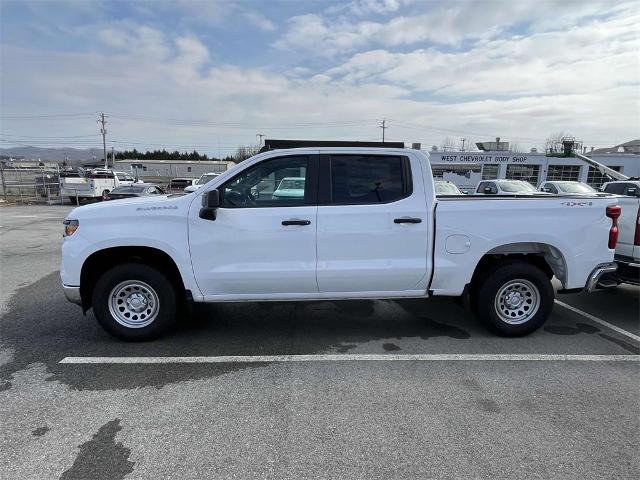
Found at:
[143, 276]
[74, 201]
[105, 192]
[529, 283]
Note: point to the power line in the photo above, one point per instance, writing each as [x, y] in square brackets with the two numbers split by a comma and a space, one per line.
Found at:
[53, 115]
[40, 136]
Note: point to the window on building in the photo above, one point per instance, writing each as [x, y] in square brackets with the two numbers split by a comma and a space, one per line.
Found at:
[528, 173]
[462, 170]
[563, 173]
[189, 169]
[490, 171]
[596, 179]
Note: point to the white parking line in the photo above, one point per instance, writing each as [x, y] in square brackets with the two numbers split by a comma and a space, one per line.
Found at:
[600, 321]
[362, 357]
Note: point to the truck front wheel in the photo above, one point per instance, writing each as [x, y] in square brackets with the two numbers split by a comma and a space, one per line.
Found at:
[135, 302]
[514, 299]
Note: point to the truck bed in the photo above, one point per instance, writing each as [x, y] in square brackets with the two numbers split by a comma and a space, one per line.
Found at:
[466, 229]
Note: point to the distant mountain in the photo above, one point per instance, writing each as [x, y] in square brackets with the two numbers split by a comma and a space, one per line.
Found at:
[53, 154]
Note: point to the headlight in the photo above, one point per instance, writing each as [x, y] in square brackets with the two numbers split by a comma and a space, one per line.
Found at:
[70, 227]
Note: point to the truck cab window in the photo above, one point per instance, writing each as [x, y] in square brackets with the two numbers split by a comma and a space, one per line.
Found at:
[281, 182]
[368, 179]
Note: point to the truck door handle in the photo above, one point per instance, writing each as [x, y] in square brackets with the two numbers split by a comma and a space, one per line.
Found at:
[286, 223]
[407, 220]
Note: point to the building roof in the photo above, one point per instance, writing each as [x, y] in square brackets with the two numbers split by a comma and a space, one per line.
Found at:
[632, 146]
[165, 162]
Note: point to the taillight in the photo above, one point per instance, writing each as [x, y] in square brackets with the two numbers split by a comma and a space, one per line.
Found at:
[613, 212]
[636, 237]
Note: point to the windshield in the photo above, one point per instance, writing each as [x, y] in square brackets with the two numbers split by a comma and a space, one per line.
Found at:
[129, 189]
[291, 184]
[571, 187]
[516, 186]
[444, 188]
[205, 178]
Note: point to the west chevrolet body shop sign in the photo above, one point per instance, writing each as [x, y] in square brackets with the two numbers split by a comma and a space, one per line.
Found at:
[479, 158]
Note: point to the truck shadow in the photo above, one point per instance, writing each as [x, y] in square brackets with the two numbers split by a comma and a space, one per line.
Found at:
[41, 327]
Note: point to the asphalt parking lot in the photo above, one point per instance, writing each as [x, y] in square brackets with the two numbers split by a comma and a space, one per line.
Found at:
[498, 418]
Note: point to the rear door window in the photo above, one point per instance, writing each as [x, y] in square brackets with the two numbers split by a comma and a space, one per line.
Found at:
[369, 179]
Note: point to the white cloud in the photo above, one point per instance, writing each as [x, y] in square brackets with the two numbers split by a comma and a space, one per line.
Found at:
[583, 80]
[594, 57]
[436, 23]
[366, 7]
[259, 21]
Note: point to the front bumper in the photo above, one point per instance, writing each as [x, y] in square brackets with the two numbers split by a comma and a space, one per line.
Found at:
[72, 294]
[628, 270]
[604, 269]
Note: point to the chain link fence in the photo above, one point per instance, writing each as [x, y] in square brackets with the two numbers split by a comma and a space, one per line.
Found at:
[31, 185]
[42, 185]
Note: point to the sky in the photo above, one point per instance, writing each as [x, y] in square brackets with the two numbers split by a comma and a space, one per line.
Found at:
[212, 75]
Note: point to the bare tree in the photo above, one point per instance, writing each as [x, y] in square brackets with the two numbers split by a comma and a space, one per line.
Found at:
[553, 144]
[244, 152]
[448, 144]
[516, 148]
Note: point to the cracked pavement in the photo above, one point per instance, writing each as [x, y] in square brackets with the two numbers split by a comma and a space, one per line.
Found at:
[291, 420]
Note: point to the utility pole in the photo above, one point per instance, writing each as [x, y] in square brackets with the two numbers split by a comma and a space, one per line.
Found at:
[260, 135]
[4, 187]
[113, 158]
[103, 131]
[463, 140]
[383, 127]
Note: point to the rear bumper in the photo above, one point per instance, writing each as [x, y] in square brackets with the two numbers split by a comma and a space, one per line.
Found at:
[72, 294]
[602, 270]
[628, 270]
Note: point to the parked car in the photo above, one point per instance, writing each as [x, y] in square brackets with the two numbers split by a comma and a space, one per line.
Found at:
[506, 187]
[207, 177]
[365, 228]
[445, 187]
[628, 247]
[566, 187]
[290, 187]
[134, 190]
[177, 185]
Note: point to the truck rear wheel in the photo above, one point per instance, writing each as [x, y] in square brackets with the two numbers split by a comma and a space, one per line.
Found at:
[514, 299]
[135, 302]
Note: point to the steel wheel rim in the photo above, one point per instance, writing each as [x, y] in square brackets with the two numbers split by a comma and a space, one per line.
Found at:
[134, 304]
[517, 301]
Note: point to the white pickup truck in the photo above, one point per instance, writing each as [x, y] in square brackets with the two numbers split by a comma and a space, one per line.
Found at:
[368, 225]
[628, 248]
[94, 184]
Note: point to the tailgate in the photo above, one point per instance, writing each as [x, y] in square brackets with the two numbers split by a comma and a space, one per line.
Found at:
[627, 225]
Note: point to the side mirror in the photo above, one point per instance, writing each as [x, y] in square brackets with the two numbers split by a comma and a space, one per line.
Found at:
[210, 205]
[488, 190]
[632, 192]
[546, 189]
